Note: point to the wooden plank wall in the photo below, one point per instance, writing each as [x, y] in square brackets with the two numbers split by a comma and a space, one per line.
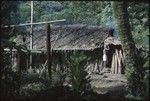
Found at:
[117, 62]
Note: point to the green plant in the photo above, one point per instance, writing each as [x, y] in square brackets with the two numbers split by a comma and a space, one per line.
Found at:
[142, 78]
[58, 78]
[146, 76]
[146, 85]
[9, 82]
[79, 77]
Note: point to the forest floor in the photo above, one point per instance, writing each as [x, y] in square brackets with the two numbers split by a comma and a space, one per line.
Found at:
[106, 87]
[112, 85]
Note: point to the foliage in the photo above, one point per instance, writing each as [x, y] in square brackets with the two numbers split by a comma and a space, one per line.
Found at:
[9, 83]
[146, 84]
[134, 60]
[83, 12]
[88, 12]
[77, 12]
[138, 14]
[144, 62]
[58, 77]
[143, 92]
[79, 77]
[24, 12]
[32, 89]
[9, 14]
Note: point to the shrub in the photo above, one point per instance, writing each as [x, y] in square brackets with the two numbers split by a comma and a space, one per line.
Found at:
[79, 77]
[140, 78]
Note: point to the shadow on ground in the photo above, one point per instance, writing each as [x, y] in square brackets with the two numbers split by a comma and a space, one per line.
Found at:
[63, 93]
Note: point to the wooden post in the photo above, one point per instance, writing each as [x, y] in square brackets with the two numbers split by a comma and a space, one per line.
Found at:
[101, 65]
[11, 52]
[117, 66]
[18, 61]
[115, 60]
[48, 47]
[31, 35]
[36, 23]
[113, 64]
[119, 62]
[1, 55]
[18, 65]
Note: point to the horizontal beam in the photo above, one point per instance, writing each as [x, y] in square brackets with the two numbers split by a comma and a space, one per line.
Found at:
[54, 49]
[64, 49]
[13, 50]
[37, 23]
[32, 51]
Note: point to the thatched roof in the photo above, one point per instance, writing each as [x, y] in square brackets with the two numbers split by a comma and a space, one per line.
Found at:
[70, 37]
[112, 40]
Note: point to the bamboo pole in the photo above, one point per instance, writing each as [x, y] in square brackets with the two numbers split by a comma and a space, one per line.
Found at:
[121, 55]
[2, 56]
[18, 61]
[18, 65]
[101, 65]
[54, 49]
[37, 23]
[95, 67]
[112, 64]
[31, 35]
[119, 62]
[122, 60]
[31, 31]
[48, 47]
[115, 66]
[11, 52]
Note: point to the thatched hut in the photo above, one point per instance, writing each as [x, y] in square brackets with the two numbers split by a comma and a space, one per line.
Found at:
[67, 39]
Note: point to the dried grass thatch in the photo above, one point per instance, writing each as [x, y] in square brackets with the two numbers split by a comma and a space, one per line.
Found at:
[69, 37]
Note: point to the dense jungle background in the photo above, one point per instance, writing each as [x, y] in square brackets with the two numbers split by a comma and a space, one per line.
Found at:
[96, 13]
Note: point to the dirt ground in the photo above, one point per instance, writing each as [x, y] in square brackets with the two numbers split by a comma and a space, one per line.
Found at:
[106, 87]
[112, 84]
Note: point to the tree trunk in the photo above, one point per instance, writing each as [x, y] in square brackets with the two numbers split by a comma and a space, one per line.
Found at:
[123, 27]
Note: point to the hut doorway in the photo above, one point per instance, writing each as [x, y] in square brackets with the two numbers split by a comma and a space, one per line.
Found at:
[115, 57]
